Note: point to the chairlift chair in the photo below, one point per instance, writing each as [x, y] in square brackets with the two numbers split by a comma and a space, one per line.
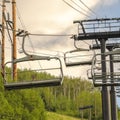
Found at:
[33, 82]
[75, 58]
[101, 78]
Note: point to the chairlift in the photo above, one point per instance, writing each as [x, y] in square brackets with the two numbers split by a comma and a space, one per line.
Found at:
[34, 76]
[101, 78]
[77, 57]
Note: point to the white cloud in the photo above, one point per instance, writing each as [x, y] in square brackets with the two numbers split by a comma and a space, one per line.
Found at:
[50, 16]
[109, 2]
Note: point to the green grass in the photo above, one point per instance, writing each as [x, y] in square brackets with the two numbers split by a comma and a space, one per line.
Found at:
[55, 116]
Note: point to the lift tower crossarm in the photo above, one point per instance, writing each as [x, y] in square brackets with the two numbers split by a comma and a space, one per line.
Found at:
[100, 35]
[98, 29]
[92, 20]
[108, 45]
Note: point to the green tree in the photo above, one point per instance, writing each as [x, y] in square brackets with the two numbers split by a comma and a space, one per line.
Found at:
[6, 111]
[34, 104]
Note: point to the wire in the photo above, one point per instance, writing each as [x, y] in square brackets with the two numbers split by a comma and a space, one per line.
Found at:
[7, 28]
[82, 8]
[17, 31]
[50, 34]
[78, 5]
[75, 8]
[50, 54]
[86, 42]
[22, 23]
[88, 7]
[20, 18]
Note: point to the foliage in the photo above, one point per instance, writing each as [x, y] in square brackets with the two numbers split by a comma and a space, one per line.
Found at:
[26, 104]
[31, 104]
[119, 114]
[21, 104]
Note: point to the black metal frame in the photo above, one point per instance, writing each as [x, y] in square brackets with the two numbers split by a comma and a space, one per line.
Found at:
[91, 29]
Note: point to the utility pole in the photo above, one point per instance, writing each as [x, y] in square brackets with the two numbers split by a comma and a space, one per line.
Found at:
[14, 49]
[3, 37]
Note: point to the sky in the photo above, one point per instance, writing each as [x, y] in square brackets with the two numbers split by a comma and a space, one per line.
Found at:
[52, 16]
[56, 17]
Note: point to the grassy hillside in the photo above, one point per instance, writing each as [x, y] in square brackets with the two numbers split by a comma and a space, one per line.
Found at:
[55, 116]
[32, 104]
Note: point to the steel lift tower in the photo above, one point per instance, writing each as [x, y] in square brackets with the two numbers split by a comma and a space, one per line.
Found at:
[112, 59]
[102, 30]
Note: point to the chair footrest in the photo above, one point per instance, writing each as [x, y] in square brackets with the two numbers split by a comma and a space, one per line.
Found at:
[32, 84]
